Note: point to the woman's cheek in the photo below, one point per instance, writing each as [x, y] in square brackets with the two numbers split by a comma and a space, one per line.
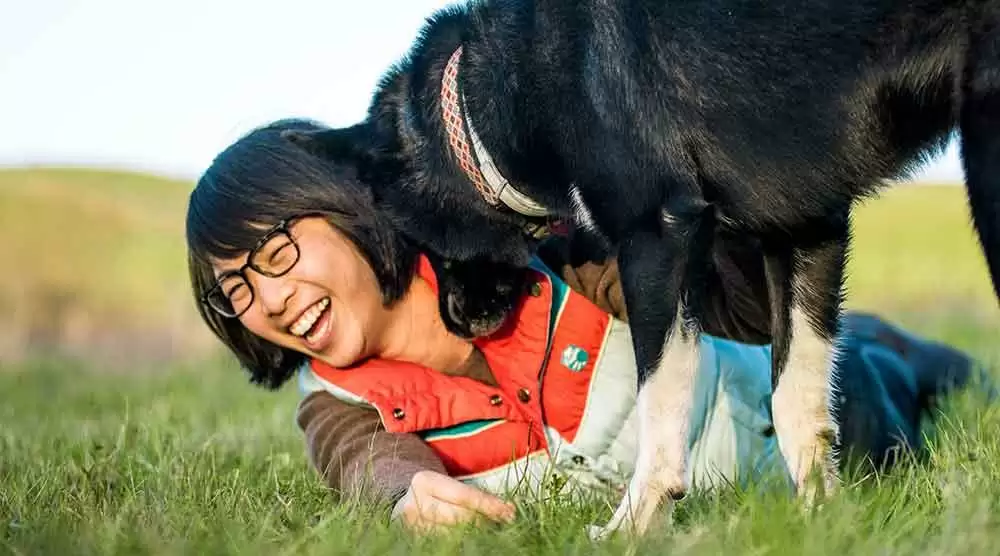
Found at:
[258, 327]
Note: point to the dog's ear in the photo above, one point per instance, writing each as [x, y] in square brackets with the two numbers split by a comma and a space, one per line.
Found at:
[334, 144]
[356, 145]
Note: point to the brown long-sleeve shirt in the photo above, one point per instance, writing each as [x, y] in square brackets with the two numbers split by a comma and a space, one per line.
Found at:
[354, 453]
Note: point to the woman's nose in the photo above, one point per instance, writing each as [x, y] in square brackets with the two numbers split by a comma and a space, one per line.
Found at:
[273, 294]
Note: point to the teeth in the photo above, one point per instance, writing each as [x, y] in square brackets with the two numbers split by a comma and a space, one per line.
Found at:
[308, 319]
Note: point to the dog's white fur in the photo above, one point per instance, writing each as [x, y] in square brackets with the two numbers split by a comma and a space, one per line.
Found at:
[664, 408]
[802, 421]
[801, 406]
[582, 216]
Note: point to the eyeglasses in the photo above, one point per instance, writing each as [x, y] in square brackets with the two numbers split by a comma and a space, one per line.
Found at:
[274, 255]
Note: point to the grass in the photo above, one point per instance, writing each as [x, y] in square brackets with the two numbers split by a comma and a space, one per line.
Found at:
[195, 461]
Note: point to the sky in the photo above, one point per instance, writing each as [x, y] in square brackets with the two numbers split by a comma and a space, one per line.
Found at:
[164, 86]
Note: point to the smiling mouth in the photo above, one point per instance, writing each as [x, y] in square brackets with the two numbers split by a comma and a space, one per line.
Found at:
[306, 325]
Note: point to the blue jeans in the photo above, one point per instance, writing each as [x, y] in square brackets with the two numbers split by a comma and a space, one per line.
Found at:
[888, 380]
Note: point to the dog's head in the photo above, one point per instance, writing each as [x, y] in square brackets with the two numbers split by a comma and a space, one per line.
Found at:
[422, 192]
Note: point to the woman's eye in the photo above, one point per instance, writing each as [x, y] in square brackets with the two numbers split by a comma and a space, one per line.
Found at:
[281, 254]
[277, 256]
[236, 291]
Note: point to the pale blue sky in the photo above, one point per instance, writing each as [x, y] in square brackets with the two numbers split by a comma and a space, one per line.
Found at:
[163, 86]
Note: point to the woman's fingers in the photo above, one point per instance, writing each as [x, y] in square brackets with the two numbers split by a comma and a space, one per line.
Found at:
[436, 500]
[447, 489]
[437, 514]
[426, 513]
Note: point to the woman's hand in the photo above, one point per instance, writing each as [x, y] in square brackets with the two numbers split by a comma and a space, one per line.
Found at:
[435, 500]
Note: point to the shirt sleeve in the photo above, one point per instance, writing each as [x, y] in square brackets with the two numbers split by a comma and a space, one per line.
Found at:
[355, 455]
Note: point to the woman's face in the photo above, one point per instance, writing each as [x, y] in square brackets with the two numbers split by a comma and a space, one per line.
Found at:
[328, 306]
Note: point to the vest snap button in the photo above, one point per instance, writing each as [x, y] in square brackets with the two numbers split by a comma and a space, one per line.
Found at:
[495, 400]
[398, 413]
[536, 289]
[524, 395]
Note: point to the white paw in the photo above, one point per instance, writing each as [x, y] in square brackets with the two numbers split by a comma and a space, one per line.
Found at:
[598, 533]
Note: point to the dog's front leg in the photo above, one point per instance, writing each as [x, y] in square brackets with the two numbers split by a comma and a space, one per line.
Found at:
[803, 420]
[654, 273]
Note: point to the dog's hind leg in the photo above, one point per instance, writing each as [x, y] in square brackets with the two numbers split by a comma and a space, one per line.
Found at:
[980, 127]
[803, 420]
[655, 268]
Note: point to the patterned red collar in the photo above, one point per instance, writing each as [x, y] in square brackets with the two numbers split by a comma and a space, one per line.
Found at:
[477, 164]
[458, 135]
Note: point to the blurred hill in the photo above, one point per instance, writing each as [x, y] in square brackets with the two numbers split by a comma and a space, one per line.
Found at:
[94, 267]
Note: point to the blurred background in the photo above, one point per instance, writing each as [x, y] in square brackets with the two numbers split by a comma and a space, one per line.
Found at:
[109, 109]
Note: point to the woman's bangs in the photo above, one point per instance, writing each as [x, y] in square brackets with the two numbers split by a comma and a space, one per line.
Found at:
[223, 226]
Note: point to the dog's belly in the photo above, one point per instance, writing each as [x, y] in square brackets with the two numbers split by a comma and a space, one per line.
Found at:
[787, 176]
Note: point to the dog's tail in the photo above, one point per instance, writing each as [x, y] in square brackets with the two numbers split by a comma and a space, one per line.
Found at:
[980, 128]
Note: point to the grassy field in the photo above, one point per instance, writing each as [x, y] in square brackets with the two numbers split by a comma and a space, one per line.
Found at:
[192, 460]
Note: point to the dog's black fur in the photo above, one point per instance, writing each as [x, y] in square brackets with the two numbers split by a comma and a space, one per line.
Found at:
[767, 119]
[675, 120]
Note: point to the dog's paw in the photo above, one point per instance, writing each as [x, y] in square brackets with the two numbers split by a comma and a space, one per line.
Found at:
[477, 315]
[816, 491]
[598, 533]
[477, 298]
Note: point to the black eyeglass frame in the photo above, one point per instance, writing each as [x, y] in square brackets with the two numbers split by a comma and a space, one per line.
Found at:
[281, 228]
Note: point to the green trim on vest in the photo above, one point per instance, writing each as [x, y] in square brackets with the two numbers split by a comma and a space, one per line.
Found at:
[458, 431]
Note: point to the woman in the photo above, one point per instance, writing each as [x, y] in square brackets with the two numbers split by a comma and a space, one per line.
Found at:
[298, 272]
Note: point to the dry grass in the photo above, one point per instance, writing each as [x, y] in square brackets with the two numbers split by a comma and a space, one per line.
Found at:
[94, 266]
[916, 258]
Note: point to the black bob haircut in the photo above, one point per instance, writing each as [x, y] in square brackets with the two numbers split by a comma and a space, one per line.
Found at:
[260, 180]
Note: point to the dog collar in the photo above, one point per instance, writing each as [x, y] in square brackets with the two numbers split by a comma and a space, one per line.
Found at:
[472, 156]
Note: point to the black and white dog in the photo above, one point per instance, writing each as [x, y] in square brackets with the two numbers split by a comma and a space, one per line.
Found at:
[652, 124]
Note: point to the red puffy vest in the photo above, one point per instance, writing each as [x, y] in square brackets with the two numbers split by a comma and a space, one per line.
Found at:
[543, 359]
